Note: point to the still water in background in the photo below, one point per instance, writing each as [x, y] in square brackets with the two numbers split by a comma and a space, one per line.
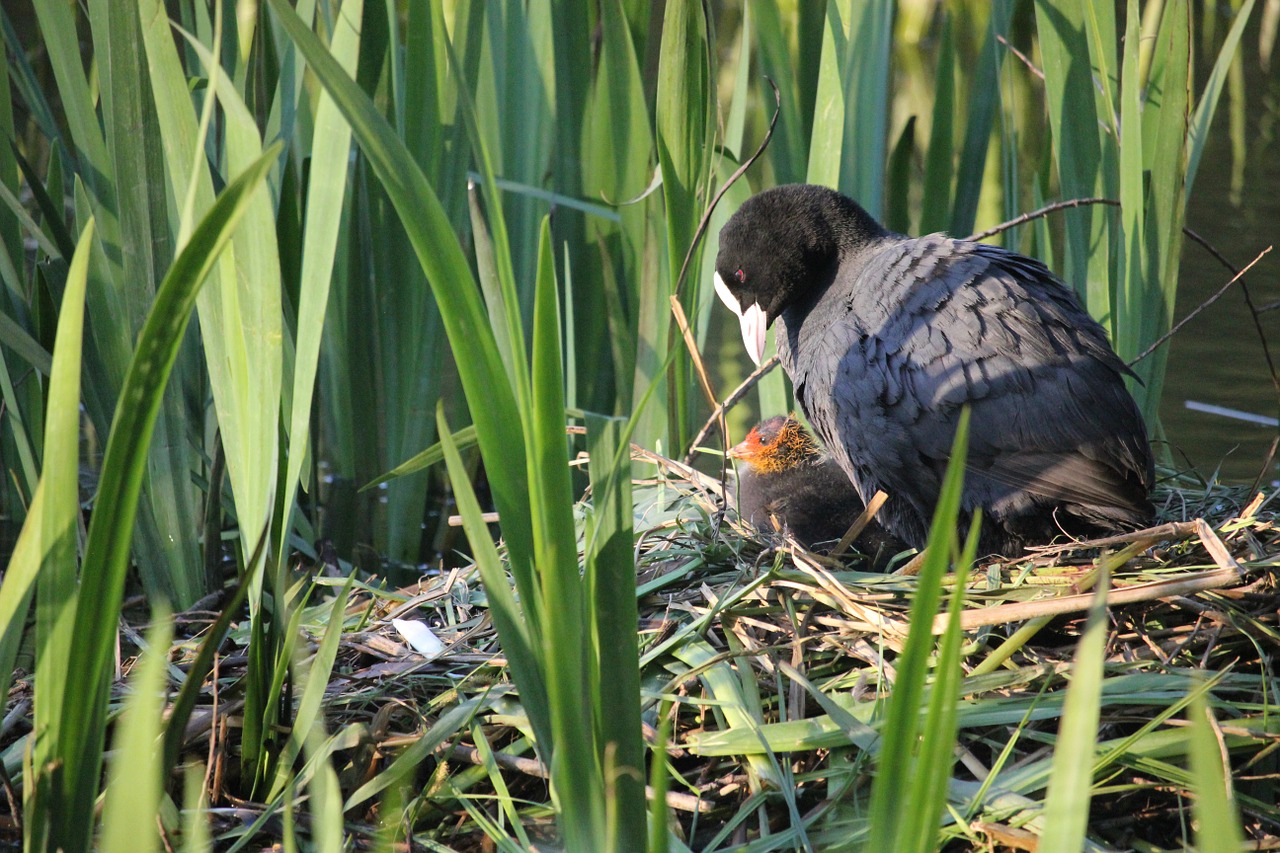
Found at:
[1218, 358]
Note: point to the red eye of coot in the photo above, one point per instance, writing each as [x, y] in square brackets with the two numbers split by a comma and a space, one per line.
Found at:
[740, 276]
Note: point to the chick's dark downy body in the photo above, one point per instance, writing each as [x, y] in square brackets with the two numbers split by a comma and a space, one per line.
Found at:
[787, 477]
[886, 337]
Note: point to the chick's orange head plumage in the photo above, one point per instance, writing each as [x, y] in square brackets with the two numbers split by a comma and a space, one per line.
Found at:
[776, 444]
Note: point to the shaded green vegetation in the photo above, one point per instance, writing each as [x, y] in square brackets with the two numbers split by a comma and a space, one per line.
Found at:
[391, 223]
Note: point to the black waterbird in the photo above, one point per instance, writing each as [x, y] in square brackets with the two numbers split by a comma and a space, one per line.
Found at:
[885, 337]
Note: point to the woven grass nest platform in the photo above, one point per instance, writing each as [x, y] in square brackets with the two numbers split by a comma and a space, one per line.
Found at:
[778, 659]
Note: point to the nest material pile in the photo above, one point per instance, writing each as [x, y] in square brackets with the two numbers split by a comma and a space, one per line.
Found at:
[778, 661]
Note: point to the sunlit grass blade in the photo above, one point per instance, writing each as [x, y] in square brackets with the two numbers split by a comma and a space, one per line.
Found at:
[449, 725]
[1217, 826]
[1077, 150]
[1131, 299]
[328, 828]
[106, 559]
[684, 123]
[330, 154]
[56, 585]
[244, 342]
[575, 771]
[893, 818]
[18, 585]
[1066, 808]
[829, 104]
[932, 777]
[134, 784]
[462, 439]
[739, 704]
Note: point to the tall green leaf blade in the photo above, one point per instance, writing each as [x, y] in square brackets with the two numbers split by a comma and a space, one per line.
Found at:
[788, 152]
[683, 97]
[245, 344]
[984, 106]
[326, 192]
[106, 560]
[892, 816]
[19, 582]
[611, 573]
[62, 43]
[865, 86]
[56, 585]
[312, 678]
[507, 303]
[10, 233]
[523, 65]
[169, 515]
[685, 124]
[575, 774]
[616, 121]
[932, 777]
[827, 140]
[1066, 808]
[735, 122]
[1069, 87]
[1132, 297]
[1217, 825]
[90, 162]
[509, 614]
[940, 158]
[1165, 126]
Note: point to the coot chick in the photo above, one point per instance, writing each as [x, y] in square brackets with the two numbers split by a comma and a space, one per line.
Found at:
[788, 477]
[886, 337]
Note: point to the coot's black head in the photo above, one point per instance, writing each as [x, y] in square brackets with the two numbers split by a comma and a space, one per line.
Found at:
[780, 245]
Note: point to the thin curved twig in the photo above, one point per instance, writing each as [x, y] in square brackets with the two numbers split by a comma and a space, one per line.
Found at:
[729, 402]
[1177, 327]
[1039, 213]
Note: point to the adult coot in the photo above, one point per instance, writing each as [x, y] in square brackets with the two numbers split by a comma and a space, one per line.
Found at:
[787, 477]
[886, 337]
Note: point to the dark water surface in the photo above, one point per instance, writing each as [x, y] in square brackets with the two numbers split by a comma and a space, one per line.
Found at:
[1218, 358]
